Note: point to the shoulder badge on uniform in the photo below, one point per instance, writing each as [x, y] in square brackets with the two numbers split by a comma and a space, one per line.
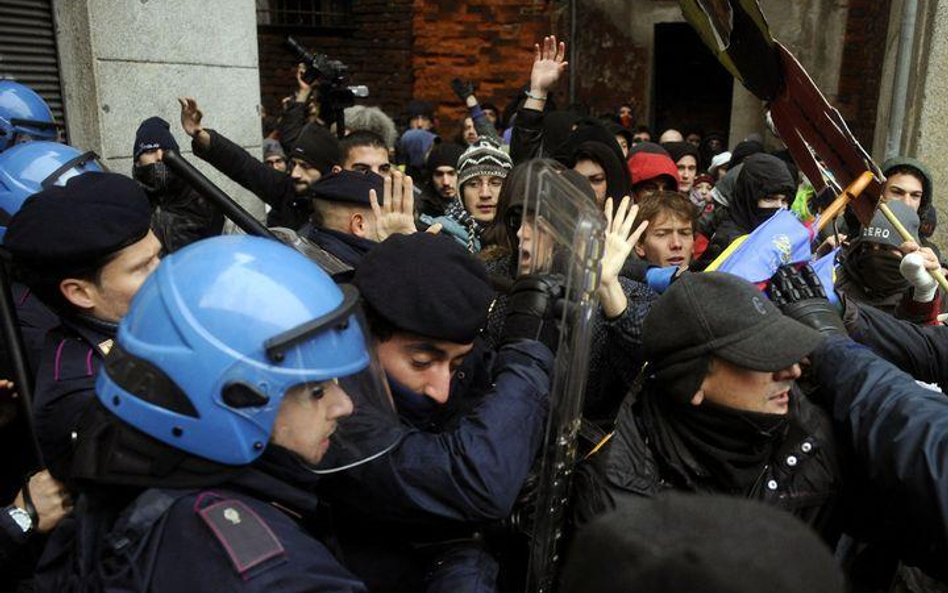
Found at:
[246, 538]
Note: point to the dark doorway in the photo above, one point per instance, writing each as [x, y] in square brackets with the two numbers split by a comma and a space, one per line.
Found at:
[692, 89]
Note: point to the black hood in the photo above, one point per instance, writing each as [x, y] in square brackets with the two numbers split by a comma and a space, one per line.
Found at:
[595, 142]
[617, 172]
[762, 175]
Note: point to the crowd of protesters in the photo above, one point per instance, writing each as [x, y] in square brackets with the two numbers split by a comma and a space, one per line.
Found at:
[361, 404]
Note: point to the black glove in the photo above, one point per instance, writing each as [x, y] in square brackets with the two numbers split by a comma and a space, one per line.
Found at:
[463, 88]
[800, 295]
[531, 310]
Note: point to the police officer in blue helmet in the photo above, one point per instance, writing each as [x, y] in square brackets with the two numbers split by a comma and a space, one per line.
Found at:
[26, 169]
[24, 116]
[240, 373]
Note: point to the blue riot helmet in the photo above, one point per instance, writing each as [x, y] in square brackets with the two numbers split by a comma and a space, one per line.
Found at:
[24, 116]
[222, 332]
[25, 169]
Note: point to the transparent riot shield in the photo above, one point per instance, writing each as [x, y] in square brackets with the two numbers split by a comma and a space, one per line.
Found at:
[561, 232]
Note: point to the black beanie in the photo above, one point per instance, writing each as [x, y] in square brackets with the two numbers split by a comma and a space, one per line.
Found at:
[153, 133]
[445, 154]
[679, 150]
[317, 146]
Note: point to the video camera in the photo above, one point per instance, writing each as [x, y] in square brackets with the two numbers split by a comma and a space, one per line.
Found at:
[332, 77]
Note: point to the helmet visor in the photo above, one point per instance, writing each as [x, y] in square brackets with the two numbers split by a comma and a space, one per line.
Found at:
[350, 417]
[88, 161]
[370, 429]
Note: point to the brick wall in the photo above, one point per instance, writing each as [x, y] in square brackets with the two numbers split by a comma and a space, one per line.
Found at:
[377, 51]
[611, 68]
[490, 41]
[404, 49]
[861, 71]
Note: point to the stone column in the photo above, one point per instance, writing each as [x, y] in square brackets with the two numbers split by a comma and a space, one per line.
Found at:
[925, 135]
[123, 61]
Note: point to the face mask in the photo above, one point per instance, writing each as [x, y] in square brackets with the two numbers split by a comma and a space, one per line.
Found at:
[879, 272]
[762, 215]
[156, 178]
[417, 408]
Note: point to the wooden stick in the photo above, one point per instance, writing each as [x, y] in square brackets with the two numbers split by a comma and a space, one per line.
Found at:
[937, 274]
[849, 194]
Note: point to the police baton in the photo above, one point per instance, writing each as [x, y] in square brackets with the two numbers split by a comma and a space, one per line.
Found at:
[22, 377]
[204, 186]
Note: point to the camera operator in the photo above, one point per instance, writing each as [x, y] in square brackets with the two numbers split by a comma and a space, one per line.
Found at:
[298, 110]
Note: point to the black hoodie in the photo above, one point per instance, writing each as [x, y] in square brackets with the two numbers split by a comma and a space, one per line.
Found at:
[596, 143]
[762, 175]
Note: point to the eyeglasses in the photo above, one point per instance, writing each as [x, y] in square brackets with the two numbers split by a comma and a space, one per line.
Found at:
[491, 182]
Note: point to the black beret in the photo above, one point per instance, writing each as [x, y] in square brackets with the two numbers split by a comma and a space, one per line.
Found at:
[349, 186]
[95, 214]
[427, 285]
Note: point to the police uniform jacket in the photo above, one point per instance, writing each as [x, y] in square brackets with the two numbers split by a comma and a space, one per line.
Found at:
[249, 534]
[897, 431]
[65, 384]
[410, 516]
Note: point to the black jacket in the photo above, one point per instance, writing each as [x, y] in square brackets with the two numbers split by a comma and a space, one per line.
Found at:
[725, 233]
[804, 475]
[921, 351]
[182, 216]
[273, 187]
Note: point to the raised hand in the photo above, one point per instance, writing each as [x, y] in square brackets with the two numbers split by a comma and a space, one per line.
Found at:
[304, 88]
[396, 214]
[620, 240]
[548, 65]
[191, 116]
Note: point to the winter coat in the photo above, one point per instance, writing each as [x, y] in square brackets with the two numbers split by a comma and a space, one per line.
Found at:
[803, 476]
[273, 187]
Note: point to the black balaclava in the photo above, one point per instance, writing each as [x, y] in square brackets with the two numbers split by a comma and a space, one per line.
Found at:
[762, 175]
[156, 179]
[587, 131]
[877, 271]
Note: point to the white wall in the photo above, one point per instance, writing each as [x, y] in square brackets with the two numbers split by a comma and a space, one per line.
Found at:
[123, 61]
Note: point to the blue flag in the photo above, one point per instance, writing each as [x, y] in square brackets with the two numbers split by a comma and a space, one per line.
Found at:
[781, 240]
[825, 269]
